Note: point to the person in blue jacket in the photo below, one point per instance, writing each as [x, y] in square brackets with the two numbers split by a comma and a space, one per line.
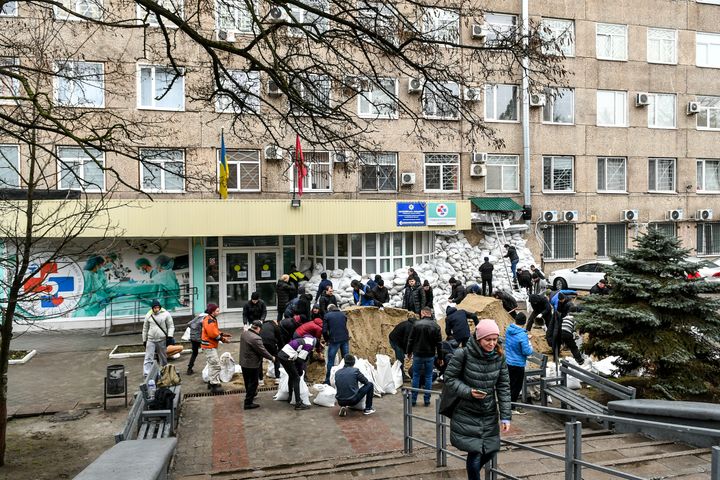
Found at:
[360, 294]
[555, 298]
[517, 349]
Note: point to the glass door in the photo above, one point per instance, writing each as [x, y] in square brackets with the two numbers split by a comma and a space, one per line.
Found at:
[237, 280]
[265, 267]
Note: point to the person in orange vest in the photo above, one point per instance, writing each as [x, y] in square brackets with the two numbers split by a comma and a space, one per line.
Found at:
[211, 337]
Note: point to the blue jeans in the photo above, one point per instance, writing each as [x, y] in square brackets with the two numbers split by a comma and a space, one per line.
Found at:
[364, 391]
[424, 366]
[513, 267]
[333, 348]
[474, 462]
[399, 352]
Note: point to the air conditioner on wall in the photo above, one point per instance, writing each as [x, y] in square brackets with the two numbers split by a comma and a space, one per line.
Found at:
[704, 214]
[537, 100]
[693, 108]
[415, 85]
[571, 215]
[273, 88]
[478, 170]
[407, 178]
[479, 32]
[674, 215]
[225, 36]
[341, 157]
[277, 14]
[550, 216]
[642, 99]
[273, 152]
[630, 215]
[479, 157]
[472, 94]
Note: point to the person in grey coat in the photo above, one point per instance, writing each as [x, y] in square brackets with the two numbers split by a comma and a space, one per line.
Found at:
[157, 328]
[195, 339]
[479, 376]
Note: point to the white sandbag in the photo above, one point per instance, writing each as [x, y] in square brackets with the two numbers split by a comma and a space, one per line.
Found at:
[335, 369]
[238, 369]
[325, 396]
[283, 391]
[371, 374]
[304, 392]
[205, 374]
[384, 374]
[397, 374]
[227, 367]
[271, 370]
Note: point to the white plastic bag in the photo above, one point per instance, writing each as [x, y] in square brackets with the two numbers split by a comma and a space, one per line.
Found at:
[227, 367]
[325, 396]
[271, 370]
[370, 373]
[304, 392]
[384, 374]
[335, 369]
[205, 374]
[186, 336]
[283, 391]
[397, 374]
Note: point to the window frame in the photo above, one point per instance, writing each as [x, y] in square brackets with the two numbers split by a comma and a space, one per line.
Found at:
[652, 110]
[238, 6]
[238, 172]
[494, 105]
[163, 170]
[60, 14]
[300, 85]
[496, 29]
[319, 26]
[674, 60]
[440, 34]
[707, 114]
[552, 159]
[309, 156]
[712, 39]
[3, 158]
[73, 84]
[550, 104]
[605, 227]
[701, 177]
[252, 83]
[550, 251]
[432, 89]
[154, 68]
[605, 159]
[611, 37]
[12, 85]
[63, 162]
[615, 93]
[502, 172]
[656, 167]
[544, 24]
[373, 87]
[443, 166]
[13, 12]
[363, 163]
[701, 247]
[142, 12]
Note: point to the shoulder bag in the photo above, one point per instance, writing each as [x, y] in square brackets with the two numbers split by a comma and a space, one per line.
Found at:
[449, 399]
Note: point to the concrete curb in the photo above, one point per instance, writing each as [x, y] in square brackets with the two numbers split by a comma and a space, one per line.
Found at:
[133, 354]
[23, 360]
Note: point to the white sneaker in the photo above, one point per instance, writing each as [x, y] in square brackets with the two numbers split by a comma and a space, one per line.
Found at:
[343, 412]
[261, 383]
[368, 411]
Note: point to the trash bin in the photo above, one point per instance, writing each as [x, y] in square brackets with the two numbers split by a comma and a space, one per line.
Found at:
[115, 379]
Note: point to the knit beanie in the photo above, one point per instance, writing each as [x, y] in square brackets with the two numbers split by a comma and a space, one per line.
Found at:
[155, 303]
[255, 296]
[485, 328]
[211, 308]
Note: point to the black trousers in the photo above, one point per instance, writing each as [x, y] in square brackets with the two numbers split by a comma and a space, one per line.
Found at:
[489, 287]
[517, 374]
[250, 377]
[193, 356]
[545, 315]
[291, 367]
[569, 342]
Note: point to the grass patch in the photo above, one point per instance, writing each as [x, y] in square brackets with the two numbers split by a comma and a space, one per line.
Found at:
[18, 354]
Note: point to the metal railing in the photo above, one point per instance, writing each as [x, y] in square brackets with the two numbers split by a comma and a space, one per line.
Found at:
[136, 303]
[574, 463]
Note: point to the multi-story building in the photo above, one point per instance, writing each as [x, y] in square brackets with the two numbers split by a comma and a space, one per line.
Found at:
[629, 142]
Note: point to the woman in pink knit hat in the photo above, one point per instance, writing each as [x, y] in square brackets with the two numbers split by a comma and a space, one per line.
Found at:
[479, 377]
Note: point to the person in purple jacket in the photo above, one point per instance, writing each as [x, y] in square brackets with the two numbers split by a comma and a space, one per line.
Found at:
[293, 358]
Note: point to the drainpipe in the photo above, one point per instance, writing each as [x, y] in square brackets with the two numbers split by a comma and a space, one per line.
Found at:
[526, 111]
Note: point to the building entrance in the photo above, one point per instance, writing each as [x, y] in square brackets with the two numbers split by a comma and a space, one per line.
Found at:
[247, 271]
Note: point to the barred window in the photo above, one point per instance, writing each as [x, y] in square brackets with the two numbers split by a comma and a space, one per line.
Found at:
[558, 174]
[559, 242]
[708, 238]
[378, 171]
[611, 239]
[612, 174]
[319, 172]
[661, 174]
[442, 172]
[244, 170]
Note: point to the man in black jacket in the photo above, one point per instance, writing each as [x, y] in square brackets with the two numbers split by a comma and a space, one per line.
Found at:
[456, 324]
[380, 293]
[600, 288]
[327, 298]
[324, 283]
[457, 292]
[514, 259]
[399, 339]
[540, 308]
[335, 332]
[415, 297]
[285, 292]
[271, 339]
[253, 310]
[424, 344]
[508, 302]
[486, 274]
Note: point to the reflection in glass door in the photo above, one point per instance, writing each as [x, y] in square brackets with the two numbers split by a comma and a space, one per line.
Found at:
[265, 264]
[237, 280]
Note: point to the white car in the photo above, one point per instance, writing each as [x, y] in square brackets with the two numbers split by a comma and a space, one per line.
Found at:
[582, 277]
[709, 270]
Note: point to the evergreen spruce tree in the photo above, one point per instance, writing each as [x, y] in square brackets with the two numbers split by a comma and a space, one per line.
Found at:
[655, 320]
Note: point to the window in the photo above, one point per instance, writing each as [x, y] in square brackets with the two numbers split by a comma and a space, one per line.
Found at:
[161, 88]
[311, 22]
[378, 172]
[661, 111]
[711, 2]
[612, 174]
[708, 238]
[441, 100]
[661, 45]
[611, 41]
[81, 169]
[442, 172]
[315, 93]
[86, 8]
[9, 86]
[9, 9]
[441, 25]
[9, 166]
[162, 171]
[611, 239]
[246, 87]
[708, 175]
[381, 18]
[661, 175]
[667, 228]
[502, 173]
[559, 106]
[79, 84]
[379, 100]
[234, 16]
[611, 108]
[243, 169]
[709, 115]
[707, 49]
[319, 172]
[500, 28]
[559, 242]
[501, 103]
[149, 18]
[560, 35]
[558, 174]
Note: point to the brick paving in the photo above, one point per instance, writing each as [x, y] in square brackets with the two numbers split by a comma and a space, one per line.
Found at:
[228, 434]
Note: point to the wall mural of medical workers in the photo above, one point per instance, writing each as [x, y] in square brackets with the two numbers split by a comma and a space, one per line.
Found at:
[121, 280]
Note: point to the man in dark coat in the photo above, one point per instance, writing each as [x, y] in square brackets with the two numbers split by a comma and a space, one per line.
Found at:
[324, 283]
[414, 297]
[380, 293]
[600, 288]
[457, 292]
[272, 341]
[524, 278]
[285, 292]
[252, 352]
[508, 301]
[540, 308]
[335, 333]
[399, 339]
[486, 275]
[412, 274]
[427, 290]
[514, 259]
[456, 324]
[348, 394]
[326, 299]
[253, 310]
[424, 346]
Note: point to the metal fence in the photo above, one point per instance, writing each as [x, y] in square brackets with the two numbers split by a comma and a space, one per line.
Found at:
[572, 458]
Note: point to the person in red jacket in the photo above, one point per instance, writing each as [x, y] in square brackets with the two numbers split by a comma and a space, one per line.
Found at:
[211, 337]
[313, 328]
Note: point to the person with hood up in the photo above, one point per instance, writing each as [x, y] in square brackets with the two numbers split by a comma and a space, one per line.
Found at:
[478, 375]
[360, 294]
[301, 308]
[285, 292]
[486, 275]
[457, 292]
[157, 327]
[336, 333]
[324, 283]
[316, 313]
[296, 276]
[253, 310]
[327, 298]
[524, 279]
[380, 293]
[508, 302]
[456, 324]
[517, 349]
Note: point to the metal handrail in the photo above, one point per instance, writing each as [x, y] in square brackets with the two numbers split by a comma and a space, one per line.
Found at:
[137, 301]
[573, 439]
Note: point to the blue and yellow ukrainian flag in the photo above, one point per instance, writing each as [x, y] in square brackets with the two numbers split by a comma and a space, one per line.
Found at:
[223, 168]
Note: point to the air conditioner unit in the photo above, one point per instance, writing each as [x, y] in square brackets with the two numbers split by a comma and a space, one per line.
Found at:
[550, 216]
[472, 94]
[630, 215]
[273, 89]
[693, 108]
[479, 157]
[571, 215]
[537, 100]
[341, 157]
[674, 215]
[277, 14]
[225, 36]
[479, 32]
[407, 178]
[704, 214]
[353, 82]
[642, 99]
[478, 170]
[415, 85]
[273, 152]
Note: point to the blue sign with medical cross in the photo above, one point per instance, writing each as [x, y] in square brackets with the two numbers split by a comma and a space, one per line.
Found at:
[410, 214]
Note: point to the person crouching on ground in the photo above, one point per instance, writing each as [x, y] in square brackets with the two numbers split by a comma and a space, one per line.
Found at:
[479, 376]
[158, 326]
[252, 352]
[348, 393]
[211, 337]
[517, 349]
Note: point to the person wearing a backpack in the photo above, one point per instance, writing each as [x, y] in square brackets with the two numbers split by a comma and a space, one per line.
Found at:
[157, 327]
[195, 326]
[211, 337]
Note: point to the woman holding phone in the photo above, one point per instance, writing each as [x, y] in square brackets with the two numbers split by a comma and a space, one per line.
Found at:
[479, 376]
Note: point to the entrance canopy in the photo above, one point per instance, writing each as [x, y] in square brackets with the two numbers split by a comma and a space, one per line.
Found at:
[495, 204]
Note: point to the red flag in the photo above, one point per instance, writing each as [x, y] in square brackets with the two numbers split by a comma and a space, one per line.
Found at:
[300, 165]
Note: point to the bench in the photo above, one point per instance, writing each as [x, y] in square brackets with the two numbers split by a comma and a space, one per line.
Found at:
[571, 399]
[143, 423]
[534, 371]
[136, 460]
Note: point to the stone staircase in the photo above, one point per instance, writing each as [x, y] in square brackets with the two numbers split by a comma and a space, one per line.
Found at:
[629, 453]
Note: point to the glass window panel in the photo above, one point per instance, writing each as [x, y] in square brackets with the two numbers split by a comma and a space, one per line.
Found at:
[441, 100]
[370, 266]
[357, 265]
[385, 265]
[409, 243]
[212, 294]
[9, 166]
[342, 245]
[560, 35]
[237, 295]
[370, 244]
[356, 240]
